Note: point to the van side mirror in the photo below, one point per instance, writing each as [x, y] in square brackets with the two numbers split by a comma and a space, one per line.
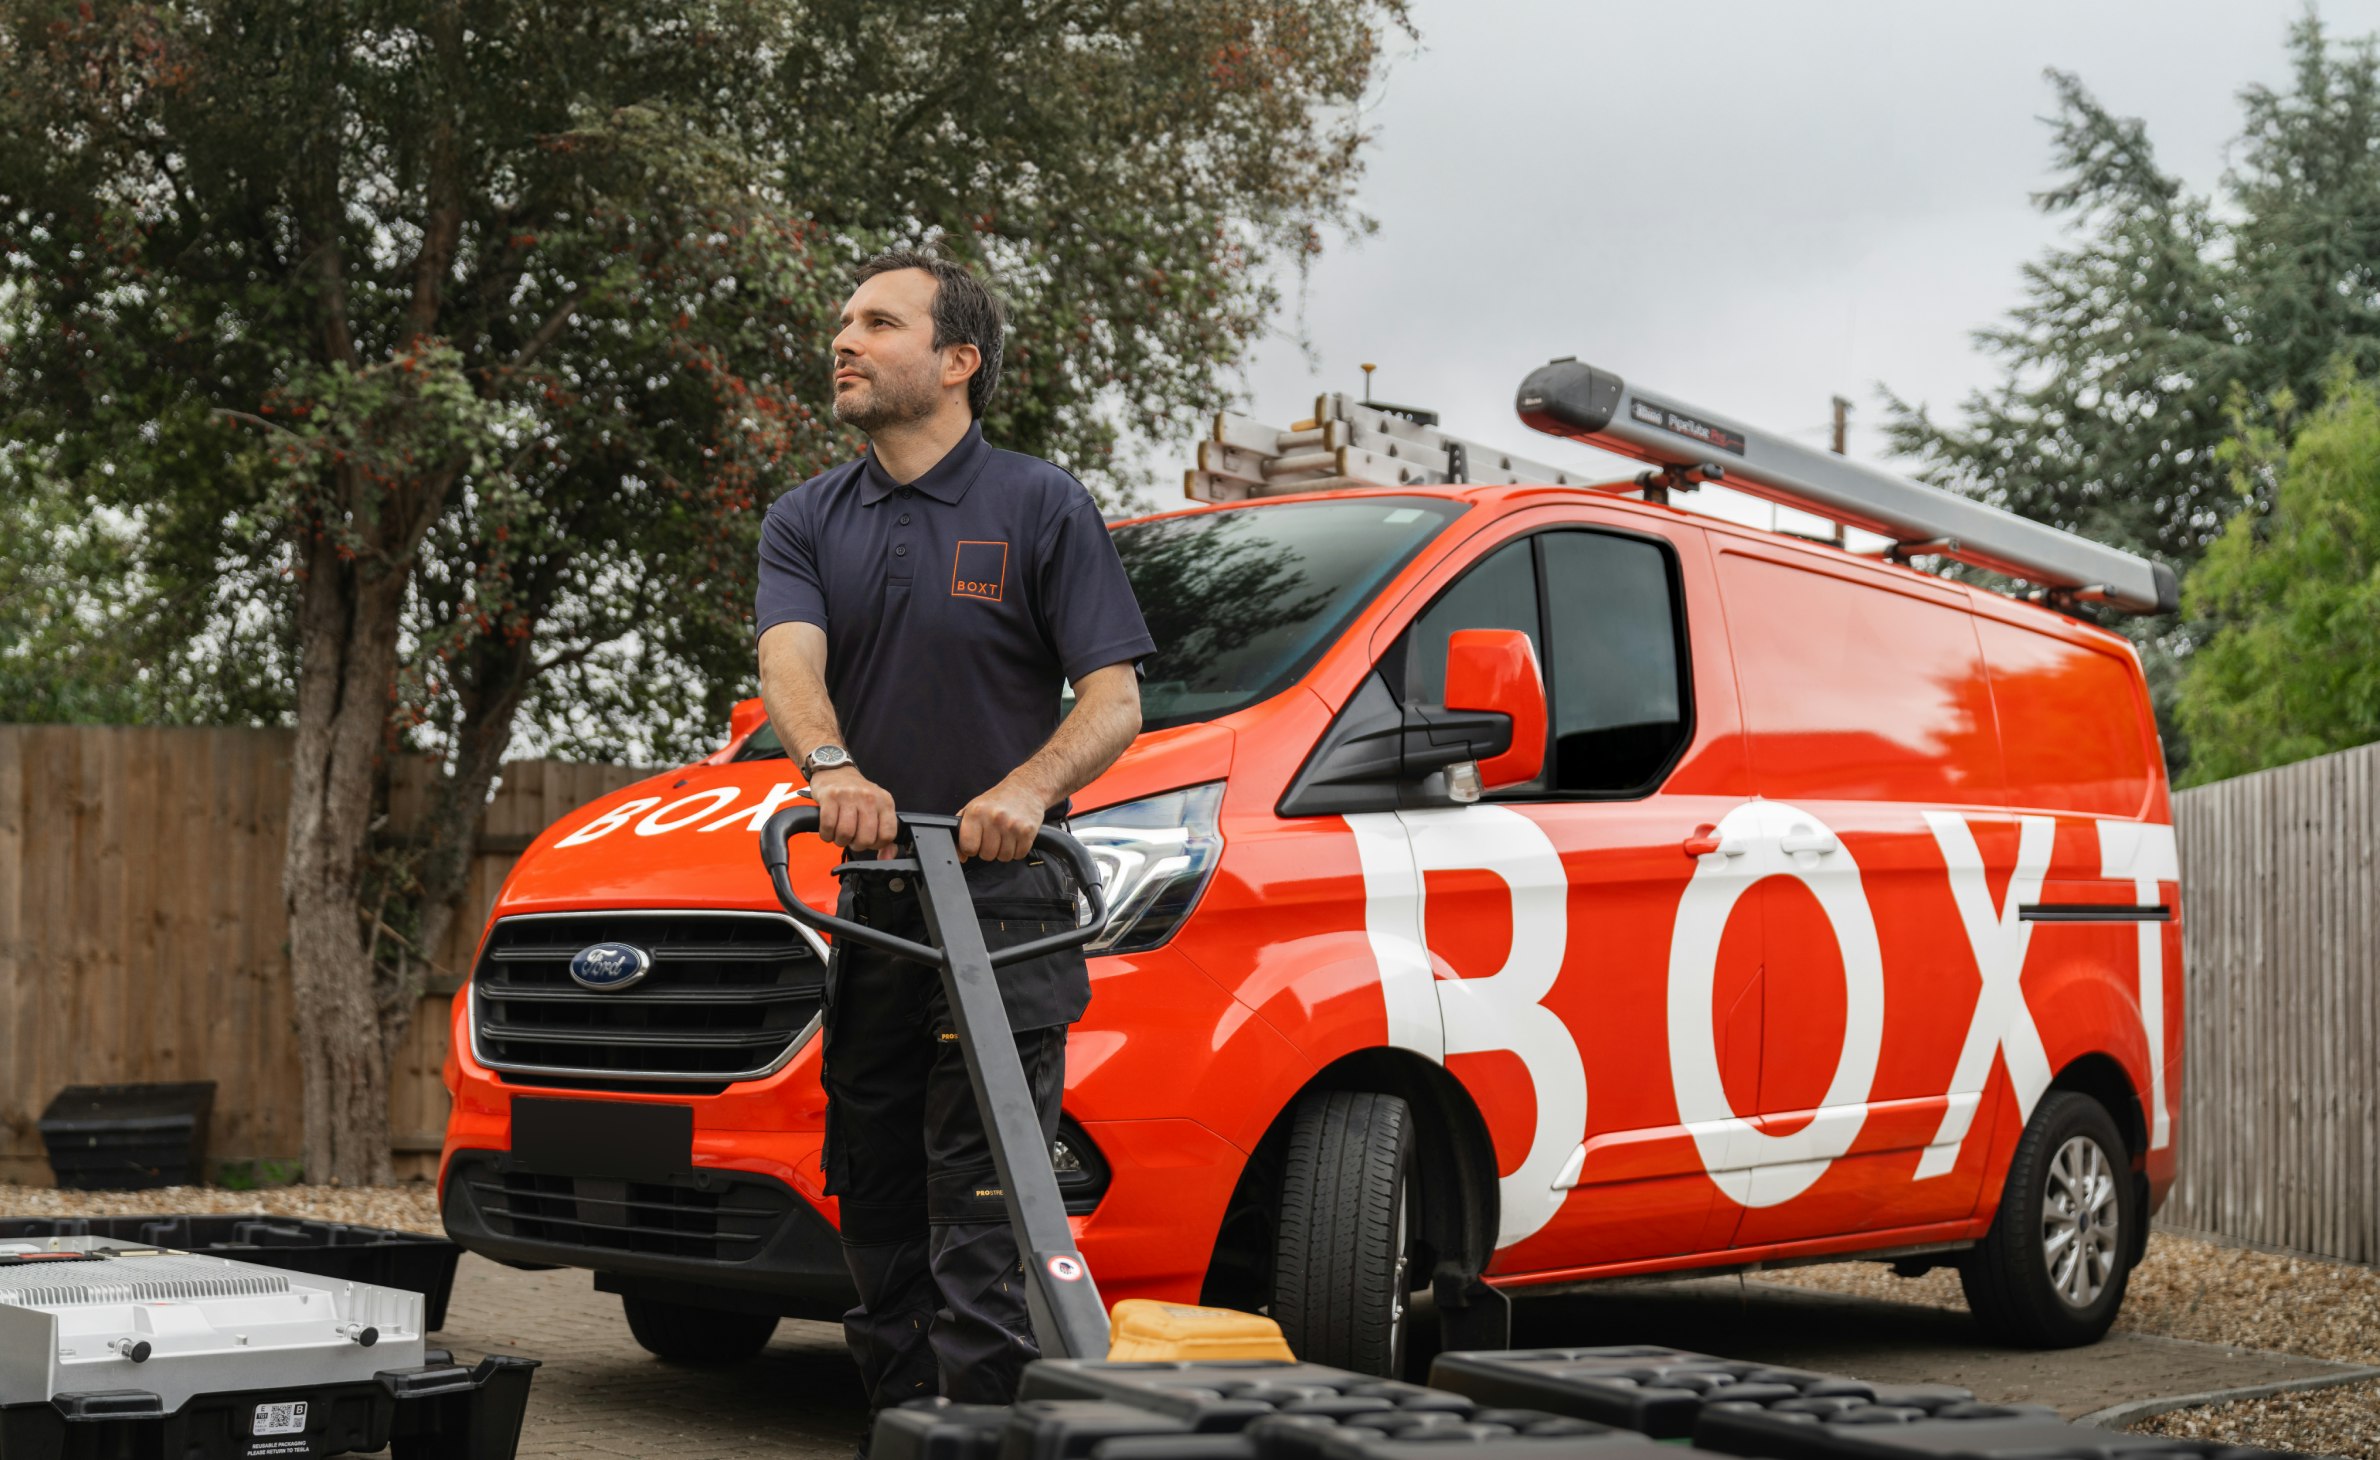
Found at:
[1384, 754]
[746, 717]
[1495, 671]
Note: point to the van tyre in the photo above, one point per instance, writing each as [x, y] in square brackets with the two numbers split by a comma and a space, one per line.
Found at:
[1343, 1249]
[685, 1334]
[2052, 1270]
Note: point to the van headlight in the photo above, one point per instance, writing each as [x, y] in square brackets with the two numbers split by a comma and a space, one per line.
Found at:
[1155, 856]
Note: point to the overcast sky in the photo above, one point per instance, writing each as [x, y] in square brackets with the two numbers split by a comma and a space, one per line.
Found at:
[1752, 206]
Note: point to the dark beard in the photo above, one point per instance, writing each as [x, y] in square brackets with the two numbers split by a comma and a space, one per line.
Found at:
[890, 402]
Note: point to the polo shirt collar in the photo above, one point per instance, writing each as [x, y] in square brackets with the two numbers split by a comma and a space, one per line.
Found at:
[946, 481]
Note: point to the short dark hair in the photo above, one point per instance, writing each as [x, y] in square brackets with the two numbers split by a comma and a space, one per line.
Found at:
[965, 311]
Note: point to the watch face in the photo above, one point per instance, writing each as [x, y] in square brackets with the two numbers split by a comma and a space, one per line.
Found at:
[829, 755]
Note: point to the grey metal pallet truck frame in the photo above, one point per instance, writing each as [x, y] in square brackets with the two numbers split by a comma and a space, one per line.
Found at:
[1068, 1317]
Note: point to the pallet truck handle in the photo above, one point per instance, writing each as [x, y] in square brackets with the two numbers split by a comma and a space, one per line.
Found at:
[1069, 1321]
[795, 821]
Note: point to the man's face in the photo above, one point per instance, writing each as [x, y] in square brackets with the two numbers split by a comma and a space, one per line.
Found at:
[887, 371]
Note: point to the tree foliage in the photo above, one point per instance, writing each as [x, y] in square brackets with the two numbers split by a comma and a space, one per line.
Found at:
[2170, 320]
[415, 373]
[2292, 591]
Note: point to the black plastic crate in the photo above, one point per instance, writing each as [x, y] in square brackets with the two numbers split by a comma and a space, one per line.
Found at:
[380, 1256]
[440, 1411]
[128, 1137]
[1663, 1392]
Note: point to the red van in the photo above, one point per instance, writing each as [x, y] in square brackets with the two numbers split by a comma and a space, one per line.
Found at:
[1513, 885]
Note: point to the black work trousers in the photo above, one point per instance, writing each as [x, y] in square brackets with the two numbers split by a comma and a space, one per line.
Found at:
[924, 1221]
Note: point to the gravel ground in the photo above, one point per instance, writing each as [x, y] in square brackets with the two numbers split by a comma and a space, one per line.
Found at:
[2211, 1293]
[410, 1208]
[2341, 1421]
[2186, 1288]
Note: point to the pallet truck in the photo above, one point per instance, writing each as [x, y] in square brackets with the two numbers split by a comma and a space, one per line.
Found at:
[1069, 1320]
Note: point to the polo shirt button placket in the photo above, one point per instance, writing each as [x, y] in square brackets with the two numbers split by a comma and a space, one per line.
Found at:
[901, 549]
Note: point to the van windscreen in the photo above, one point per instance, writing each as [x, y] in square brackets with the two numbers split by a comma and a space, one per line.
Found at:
[1243, 601]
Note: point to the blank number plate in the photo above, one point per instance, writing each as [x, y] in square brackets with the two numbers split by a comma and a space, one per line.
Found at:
[607, 1138]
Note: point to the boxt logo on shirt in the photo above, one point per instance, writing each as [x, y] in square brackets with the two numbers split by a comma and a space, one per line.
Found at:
[979, 570]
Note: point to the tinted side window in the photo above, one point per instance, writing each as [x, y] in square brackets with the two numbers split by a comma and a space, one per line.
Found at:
[1499, 593]
[1618, 708]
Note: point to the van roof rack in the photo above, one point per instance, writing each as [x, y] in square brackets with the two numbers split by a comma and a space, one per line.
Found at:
[1348, 443]
[1686, 444]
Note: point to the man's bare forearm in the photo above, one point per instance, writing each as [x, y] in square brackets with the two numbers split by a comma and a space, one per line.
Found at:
[1106, 718]
[853, 811]
[793, 688]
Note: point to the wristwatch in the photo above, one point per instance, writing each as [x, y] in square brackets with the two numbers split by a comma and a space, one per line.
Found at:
[826, 758]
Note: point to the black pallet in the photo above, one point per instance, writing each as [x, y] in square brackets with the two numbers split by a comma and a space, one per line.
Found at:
[381, 1256]
[1966, 1432]
[1663, 1392]
[128, 1137]
[440, 1411]
[1253, 1410]
[1247, 1388]
[1098, 1429]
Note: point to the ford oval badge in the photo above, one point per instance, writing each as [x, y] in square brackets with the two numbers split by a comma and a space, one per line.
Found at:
[608, 966]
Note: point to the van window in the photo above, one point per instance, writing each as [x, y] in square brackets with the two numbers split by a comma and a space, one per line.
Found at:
[1499, 593]
[1242, 601]
[1618, 711]
[1857, 691]
[2071, 722]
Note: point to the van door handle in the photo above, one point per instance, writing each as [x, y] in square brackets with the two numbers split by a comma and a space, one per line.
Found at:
[1705, 841]
[1803, 839]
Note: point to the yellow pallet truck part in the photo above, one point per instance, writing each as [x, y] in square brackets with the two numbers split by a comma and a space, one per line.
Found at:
[1141, 1330]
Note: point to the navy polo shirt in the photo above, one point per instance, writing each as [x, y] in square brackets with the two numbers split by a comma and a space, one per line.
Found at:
[955, 607]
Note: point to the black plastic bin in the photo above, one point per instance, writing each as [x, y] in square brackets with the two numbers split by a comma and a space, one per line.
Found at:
[379, 1255]
[128, 1137]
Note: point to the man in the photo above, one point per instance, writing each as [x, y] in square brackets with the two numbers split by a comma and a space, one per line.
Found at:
[919, 611]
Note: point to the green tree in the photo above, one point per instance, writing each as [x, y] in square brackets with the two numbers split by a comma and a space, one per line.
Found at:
[429, 363]
[2292, 591]
[2169, 317]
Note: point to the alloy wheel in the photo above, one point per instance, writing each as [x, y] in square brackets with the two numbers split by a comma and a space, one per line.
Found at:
[2079, 1222]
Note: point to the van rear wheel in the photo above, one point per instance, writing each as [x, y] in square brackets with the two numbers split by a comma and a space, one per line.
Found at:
[1345, 1242]
[685, 1334]
[2052, 1270]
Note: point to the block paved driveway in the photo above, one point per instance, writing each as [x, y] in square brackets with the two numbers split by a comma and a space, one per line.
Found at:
[599, 1394]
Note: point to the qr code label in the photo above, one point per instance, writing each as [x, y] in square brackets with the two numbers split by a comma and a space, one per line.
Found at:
[280, 1419]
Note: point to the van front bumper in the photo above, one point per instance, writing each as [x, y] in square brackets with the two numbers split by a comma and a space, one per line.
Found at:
[715, 1238]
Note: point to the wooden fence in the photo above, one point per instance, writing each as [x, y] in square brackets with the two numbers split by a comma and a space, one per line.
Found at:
[142, 935]
[2280, 1131]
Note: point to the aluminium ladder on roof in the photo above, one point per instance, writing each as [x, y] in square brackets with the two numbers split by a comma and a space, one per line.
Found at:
[1351, 444]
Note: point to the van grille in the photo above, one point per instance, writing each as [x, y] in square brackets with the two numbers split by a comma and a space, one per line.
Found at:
[731, 996]
[728, 1221]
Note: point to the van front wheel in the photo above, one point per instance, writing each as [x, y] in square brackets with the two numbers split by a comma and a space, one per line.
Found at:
[1343, 1249]
[2052, 1270]
[685, 1334]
